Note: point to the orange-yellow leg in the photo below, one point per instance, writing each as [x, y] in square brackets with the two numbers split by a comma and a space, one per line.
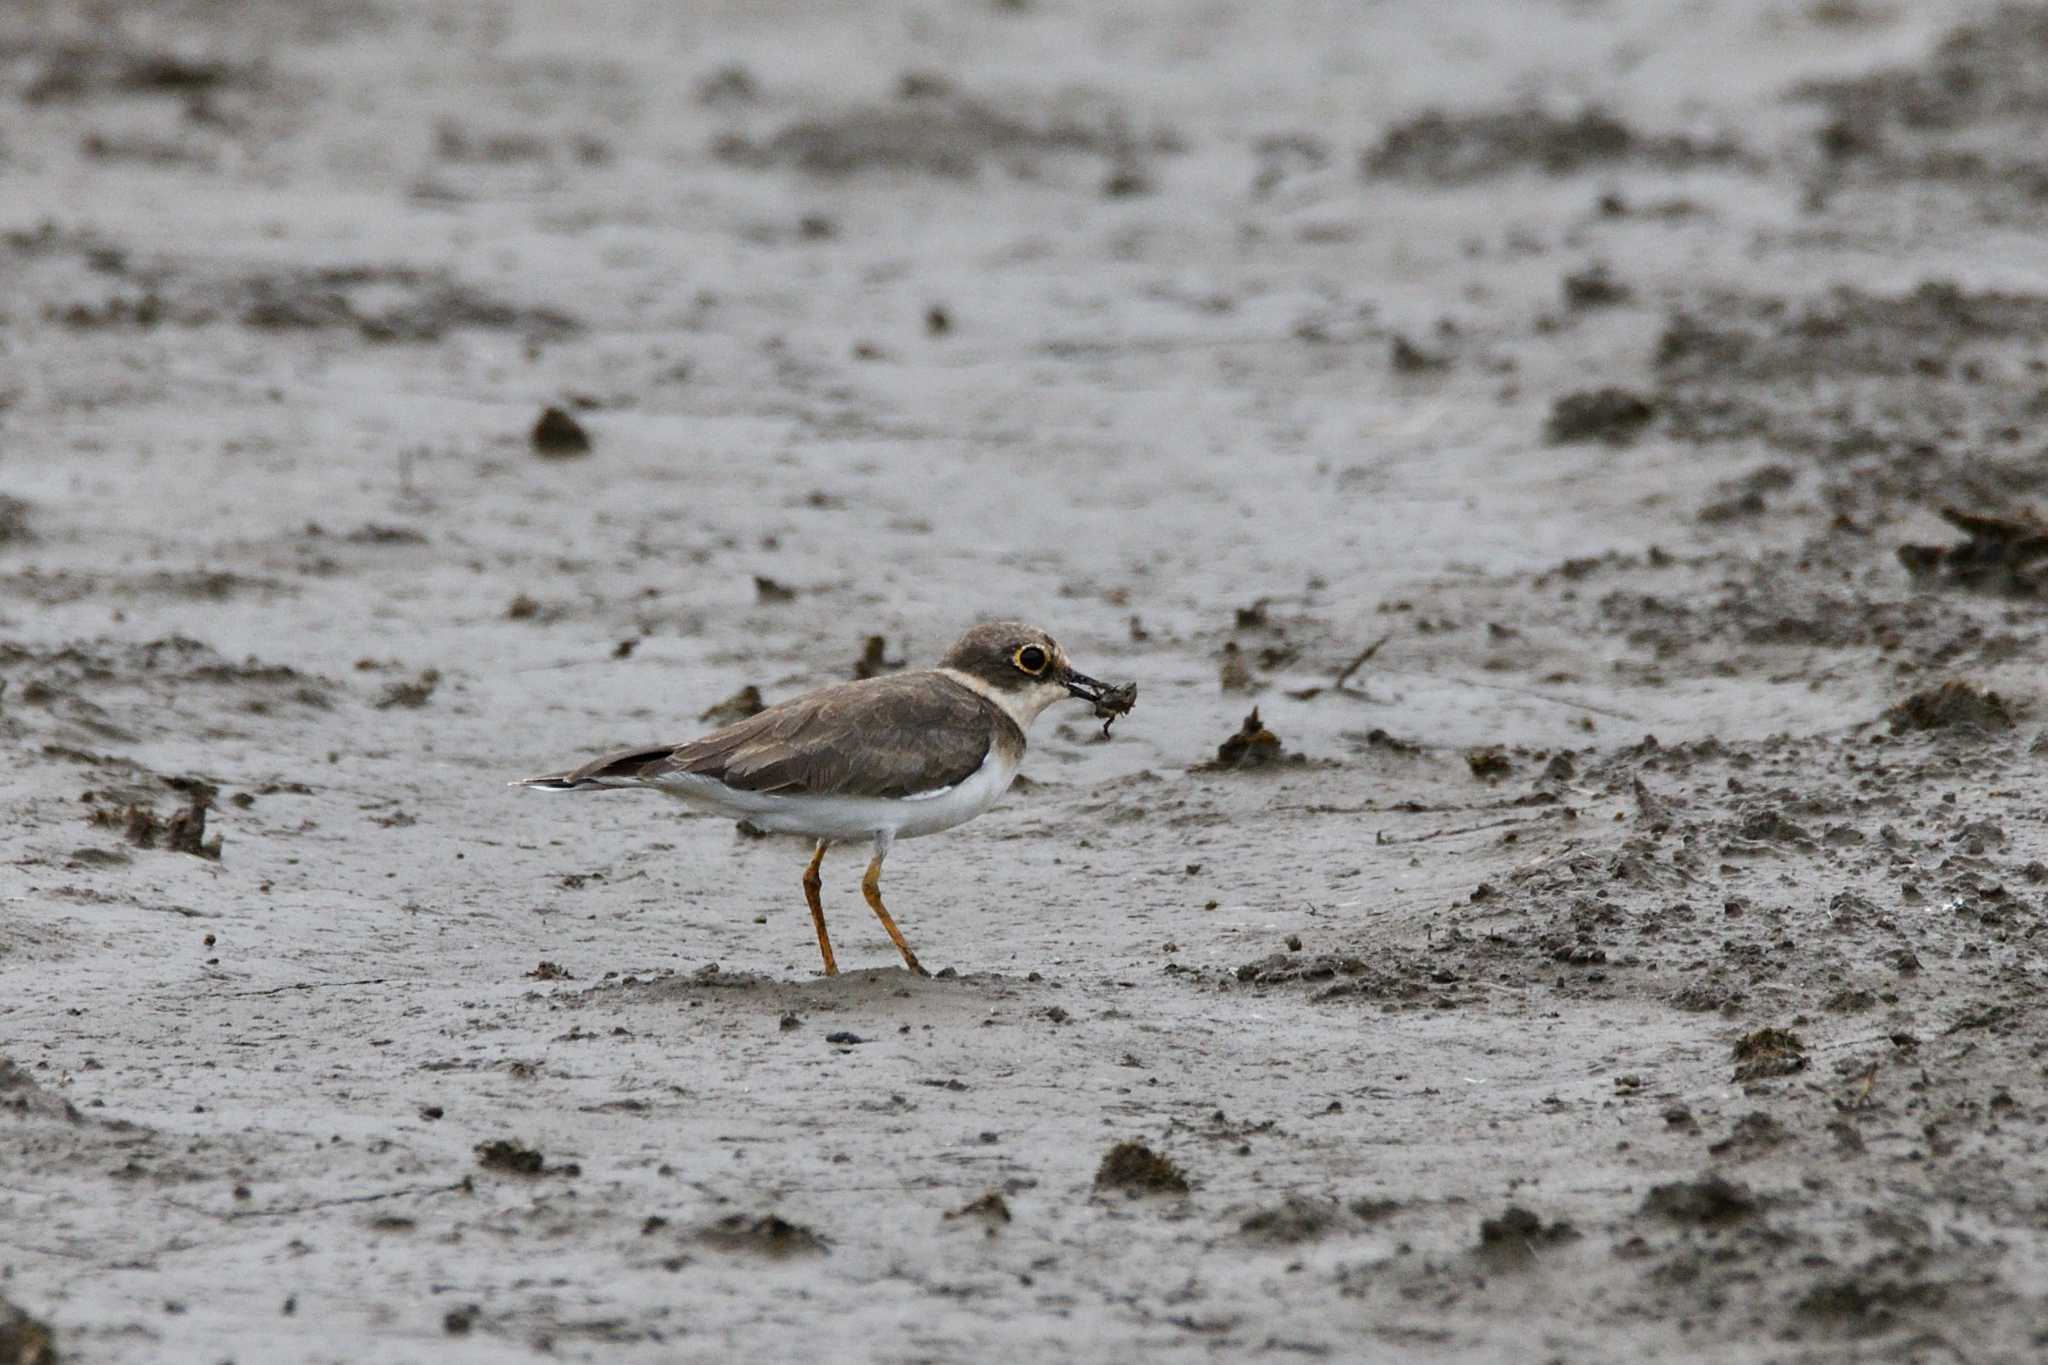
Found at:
[812, 881]
[871, 887]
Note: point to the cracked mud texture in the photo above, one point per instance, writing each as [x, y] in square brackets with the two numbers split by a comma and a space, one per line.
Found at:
[1603, 442]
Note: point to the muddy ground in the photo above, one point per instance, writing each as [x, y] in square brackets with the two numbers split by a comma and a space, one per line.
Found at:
[1601, 441]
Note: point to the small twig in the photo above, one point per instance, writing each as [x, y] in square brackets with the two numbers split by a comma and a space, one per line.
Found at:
[1850, 1042]
[231, 1214]
[315, 986]
[1405, 807]
[1380, 836]
[1539, 696]
[1364, 657]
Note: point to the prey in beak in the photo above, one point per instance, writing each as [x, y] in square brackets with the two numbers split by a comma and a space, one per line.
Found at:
[1110, 700]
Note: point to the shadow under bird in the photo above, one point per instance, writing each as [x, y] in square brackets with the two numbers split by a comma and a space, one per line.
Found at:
[881, 759]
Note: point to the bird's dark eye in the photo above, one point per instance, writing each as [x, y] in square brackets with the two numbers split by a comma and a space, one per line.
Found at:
[1031, 659]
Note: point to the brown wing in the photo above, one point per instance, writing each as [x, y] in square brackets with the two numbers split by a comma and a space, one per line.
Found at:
[891, 736]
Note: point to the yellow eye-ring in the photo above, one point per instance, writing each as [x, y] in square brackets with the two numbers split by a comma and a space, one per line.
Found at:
[1031, 659]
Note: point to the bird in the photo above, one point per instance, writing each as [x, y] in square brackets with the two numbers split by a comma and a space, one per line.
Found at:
[881, 759]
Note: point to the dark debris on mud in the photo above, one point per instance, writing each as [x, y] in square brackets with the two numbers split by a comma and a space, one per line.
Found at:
[991, 1209]
[14, 521]
[21, 1096]
[383, 304]
[1753, 1135]
[1951, 705]
[1457, 148]
[1614, 415]
[1296, 1218]
[1136, 1169]
[1909, 399]
[509, 1156]
[1710, 1201]
[1971, 113]
[557, 435]
[183, 832]
[1518, 1233]
[76, 69]
[24, 1338]
[939, 134]
[737, 707]
[410, 694]
[874, 659]
[769, 1235]
[1251, 745]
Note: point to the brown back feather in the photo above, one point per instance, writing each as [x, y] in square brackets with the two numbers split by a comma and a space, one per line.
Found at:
[896, 735]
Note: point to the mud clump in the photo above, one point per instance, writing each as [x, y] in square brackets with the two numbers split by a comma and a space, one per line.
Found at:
[940, 136]
[1136, 1169]
[1252, 746]
[741, 704]
[1867, 1306]
[1952, 705]
[1767, 340]
[1614, 415]
[96, 68]
[1294, 1219]
[1488, 764]
[20, 1095]
[1518, 1232]
[183, 832]
[516, 1158]
[766, 1235]
[874, 659]
[1449, 149]
[1766, 1053]
[1747, 497]
[1283, 967]
[1929, 120]
[25, 1340]
[503, 1154]
[375, 533]
[14, 521]
[1408, 358]
[1753, 1134]
[558, 436]
[729, 84]
[138, 824]
[1594, 287]
[2007, 556]
[1711, 1201]
[428, 305]
[410, 695]
[992, 1209]
[1234, 674]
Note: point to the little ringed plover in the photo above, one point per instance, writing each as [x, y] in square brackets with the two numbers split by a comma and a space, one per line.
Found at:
[884, 758]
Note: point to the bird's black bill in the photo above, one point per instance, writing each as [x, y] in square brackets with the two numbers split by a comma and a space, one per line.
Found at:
[1085, 687]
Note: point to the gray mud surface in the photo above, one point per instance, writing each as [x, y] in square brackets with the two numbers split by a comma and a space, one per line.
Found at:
[1603, 442]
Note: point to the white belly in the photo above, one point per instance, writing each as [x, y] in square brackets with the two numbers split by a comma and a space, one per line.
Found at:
[850, 817]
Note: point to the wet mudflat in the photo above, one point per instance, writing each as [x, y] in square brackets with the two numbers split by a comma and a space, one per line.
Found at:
[1565, 479]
